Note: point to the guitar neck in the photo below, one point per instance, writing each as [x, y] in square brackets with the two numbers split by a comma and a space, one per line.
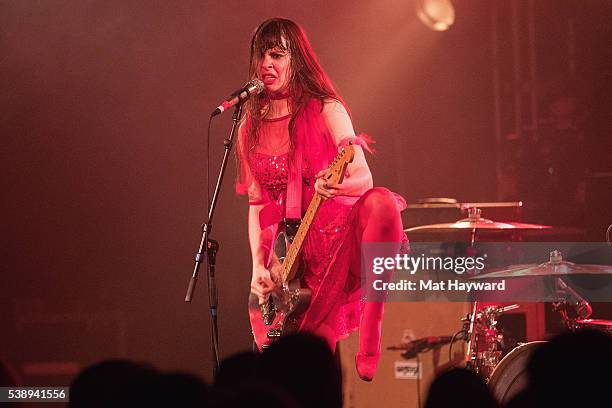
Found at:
[290, 263]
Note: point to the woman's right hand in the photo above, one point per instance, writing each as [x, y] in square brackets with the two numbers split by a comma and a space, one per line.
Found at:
[261, 283]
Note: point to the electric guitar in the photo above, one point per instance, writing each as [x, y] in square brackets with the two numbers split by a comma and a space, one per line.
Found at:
[280, 314]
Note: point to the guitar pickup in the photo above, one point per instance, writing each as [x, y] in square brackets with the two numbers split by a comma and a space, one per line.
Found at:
[291, 228]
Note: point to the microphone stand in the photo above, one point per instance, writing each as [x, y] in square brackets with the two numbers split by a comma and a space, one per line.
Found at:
[212, 247]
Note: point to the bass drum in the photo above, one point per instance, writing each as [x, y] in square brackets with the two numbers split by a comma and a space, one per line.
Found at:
[510, 376]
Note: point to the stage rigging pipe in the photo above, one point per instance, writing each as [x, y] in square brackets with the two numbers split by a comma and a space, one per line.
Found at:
[516, 54]
[533, 73]
[496, 99]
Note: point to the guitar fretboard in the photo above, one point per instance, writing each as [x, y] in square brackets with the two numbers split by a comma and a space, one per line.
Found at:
[335, 174]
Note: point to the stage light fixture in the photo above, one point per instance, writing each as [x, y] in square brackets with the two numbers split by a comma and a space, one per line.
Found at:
[438, 15]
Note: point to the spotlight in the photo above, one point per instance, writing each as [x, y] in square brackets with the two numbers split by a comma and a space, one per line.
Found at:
[438, 15]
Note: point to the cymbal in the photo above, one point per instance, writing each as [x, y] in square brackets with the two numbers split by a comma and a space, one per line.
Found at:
[547, 269]
[555, 267]
[479, 223]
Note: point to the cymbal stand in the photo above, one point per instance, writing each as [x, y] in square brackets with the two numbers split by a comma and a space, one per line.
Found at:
[472, 336]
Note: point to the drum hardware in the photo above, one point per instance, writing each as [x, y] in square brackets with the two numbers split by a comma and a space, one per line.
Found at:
[594, 324]
[572, 312]
[485, 342]
[571, 306]
[469, 323]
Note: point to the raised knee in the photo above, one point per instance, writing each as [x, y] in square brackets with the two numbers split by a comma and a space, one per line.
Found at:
[380, 199]
[379, 211]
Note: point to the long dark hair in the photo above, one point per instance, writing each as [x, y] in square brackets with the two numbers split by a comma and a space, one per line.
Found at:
[307, 79]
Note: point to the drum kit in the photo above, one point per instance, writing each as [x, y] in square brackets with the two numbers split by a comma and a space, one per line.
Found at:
[506, 373]
[507, 376]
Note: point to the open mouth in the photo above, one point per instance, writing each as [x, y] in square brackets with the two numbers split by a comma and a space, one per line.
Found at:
[268, 78]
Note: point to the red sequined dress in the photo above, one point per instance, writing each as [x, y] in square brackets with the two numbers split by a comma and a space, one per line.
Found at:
[326, 257]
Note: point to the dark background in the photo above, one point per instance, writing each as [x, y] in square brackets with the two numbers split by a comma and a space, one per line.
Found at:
[103, 114]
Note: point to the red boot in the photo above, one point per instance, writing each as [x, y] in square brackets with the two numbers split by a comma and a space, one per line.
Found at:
[366, 365]
[370, 333]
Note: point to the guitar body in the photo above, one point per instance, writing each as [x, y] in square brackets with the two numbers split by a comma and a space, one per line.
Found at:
[290, 304]
[282, 313]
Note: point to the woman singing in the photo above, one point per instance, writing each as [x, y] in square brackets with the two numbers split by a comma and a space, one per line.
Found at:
[297, 125]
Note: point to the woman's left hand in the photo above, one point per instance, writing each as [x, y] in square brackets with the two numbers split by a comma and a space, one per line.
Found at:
[326, 189]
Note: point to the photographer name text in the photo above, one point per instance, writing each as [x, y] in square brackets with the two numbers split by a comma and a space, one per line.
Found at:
[434, 286]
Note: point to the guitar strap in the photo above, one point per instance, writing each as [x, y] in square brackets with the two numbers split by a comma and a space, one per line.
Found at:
[293, 205]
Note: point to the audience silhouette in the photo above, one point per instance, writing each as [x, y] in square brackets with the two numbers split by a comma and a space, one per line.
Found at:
[459, 388]
[300, 371]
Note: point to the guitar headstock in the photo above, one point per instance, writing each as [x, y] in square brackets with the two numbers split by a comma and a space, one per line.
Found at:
[337, 168]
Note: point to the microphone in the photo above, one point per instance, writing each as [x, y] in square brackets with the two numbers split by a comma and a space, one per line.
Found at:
[253, 87]
[417, 346]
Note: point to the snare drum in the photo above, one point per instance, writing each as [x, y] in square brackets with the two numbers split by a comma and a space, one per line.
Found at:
[595, 324]
[510, 375]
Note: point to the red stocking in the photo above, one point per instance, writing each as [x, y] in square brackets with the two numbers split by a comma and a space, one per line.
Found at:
[378, 222]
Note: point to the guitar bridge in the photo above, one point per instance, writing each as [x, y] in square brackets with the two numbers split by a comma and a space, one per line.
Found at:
[268, 312]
